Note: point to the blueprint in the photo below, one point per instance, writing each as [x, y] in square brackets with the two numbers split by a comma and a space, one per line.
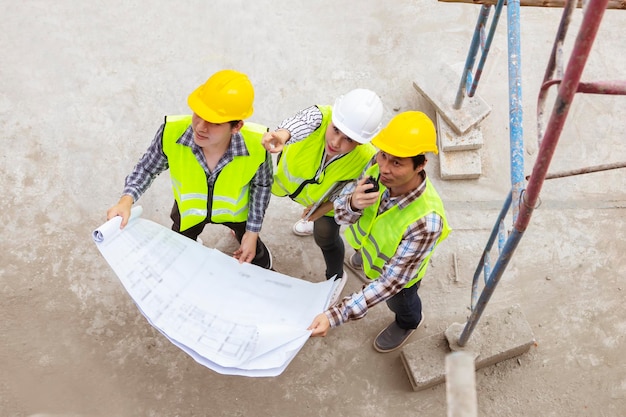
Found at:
[236, 319]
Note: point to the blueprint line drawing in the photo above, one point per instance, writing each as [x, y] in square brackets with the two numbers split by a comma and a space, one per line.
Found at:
[236, 319]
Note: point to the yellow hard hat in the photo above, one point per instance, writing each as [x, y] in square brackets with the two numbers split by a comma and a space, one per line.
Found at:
[408, 134]
[227, 95]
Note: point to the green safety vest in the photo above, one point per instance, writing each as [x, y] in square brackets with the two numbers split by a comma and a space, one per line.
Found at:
[300, 161]
[228, 200]
[378, 236]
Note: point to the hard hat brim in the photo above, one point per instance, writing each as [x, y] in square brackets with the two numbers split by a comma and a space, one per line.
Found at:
[206, 113]
[350, 133]
[381, 143]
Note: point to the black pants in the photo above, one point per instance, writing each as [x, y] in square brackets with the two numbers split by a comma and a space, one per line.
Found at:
[262, 257]
[326, 234]
[407, 306]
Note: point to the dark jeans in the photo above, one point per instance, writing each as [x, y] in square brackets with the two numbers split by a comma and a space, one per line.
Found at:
[326, 234]
[262, 257]
[407, 306]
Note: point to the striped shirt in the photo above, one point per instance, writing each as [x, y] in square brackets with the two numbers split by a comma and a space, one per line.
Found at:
[301, 126]
[154, 161]
[417, 242]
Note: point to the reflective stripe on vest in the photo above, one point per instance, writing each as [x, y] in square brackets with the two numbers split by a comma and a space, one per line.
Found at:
[378, 236]
[229, 198]
[300, 162]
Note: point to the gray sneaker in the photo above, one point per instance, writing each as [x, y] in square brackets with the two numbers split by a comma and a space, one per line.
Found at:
[393, 337]
[356, 261]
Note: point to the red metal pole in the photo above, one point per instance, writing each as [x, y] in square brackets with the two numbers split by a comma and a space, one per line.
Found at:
[567, 90]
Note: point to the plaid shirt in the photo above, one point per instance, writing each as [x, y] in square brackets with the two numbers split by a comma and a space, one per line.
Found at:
[154, 161]
[417, 242]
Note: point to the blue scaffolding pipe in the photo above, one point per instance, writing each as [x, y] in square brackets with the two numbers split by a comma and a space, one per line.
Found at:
[567, 89]
[477, 43]
[483, 263]
[516, 135]
[486, 47]
[491, 277]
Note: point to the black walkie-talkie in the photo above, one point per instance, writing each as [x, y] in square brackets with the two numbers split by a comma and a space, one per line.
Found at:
[372, 180]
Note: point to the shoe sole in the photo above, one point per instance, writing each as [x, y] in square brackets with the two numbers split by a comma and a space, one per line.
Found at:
[353, 265]
[295, 232]
[336, 296]
[301, 234]
[271, 267]
[406, 339]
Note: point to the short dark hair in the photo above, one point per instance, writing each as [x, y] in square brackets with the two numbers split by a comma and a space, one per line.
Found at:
[234, 123]
[418, 160]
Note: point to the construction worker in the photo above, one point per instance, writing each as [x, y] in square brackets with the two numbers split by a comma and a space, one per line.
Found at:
[220, 172]
[394, 229]
[320, 147]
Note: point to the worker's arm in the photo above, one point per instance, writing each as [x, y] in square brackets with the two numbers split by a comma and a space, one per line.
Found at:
[293, 129]
[416, 244]
[260, 193]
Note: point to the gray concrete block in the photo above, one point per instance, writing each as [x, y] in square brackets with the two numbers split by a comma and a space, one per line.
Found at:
[450, 140]
[497, 337]
[460, 165]
[439, 88]
[425, 361]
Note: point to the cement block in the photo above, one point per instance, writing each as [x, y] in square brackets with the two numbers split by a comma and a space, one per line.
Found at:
[439, 88]
[450, 140]
[425, 361]
[497, 337]
[460, 165]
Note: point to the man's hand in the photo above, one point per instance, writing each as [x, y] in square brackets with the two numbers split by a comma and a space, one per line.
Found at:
[320, 325]
[275, 141]
[122, 209]
[247, 249]
[360, 199]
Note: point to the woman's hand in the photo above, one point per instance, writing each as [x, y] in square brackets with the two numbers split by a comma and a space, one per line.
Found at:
[275, 141]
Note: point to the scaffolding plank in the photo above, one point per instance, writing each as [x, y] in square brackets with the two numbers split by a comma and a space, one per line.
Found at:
[439, 87]
[613, 4]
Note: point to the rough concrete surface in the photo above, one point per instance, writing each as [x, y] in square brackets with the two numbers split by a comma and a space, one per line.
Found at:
[503, 335]
[84, 86]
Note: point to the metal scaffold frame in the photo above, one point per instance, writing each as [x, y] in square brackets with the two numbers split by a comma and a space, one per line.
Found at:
[522, 201]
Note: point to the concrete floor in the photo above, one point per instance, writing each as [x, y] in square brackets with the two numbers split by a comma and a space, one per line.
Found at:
[84, 86]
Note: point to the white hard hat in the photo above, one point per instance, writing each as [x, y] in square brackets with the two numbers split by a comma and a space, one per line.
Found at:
[358, 114]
